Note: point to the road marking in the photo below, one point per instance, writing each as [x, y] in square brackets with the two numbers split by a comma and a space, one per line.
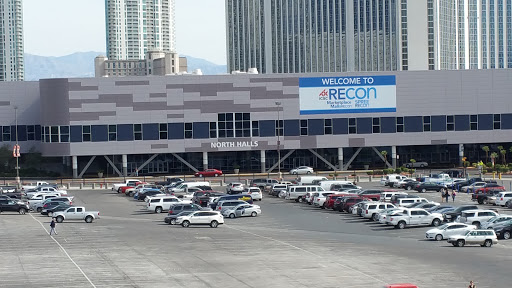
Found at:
[64, 250]
[304, 250]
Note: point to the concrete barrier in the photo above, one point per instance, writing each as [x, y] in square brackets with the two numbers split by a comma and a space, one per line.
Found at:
[370, 178]
[81, 185]
[93, 186]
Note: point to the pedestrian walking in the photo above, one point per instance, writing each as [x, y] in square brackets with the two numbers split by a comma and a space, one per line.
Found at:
[447, 196]
[52, 227]
[453, 196]
[471, 284]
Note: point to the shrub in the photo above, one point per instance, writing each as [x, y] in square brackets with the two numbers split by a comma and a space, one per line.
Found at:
[369, 172]
[489, 164]
[397, 170]
[378, 172]
[387, 171]
[404, 169]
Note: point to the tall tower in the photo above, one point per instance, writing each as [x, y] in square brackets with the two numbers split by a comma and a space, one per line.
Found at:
[11, 40]
[134, 27]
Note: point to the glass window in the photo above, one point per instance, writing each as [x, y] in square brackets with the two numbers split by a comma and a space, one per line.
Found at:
[450, 123]
[376, 125]
[352, 127]
[54, 134]
[162, 129]
[279, 128]
[226, 125]
[497, 121]
[399, 124]
[137, 131]
[112, 132]
[213, 129]
[189, 131]
[6, 131]
[473, 122]
[328, 126]
[86, 133]
[31, 132]
[426, 123]
[303, 127]
[242, 125]
[255, 129]
[64, 134]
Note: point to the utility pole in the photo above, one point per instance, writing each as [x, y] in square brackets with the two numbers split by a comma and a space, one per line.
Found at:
[17, 149]
[278, 104]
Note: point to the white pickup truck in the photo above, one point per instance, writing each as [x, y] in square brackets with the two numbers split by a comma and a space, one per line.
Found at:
[76, 213]
[115, 187]
[38, 183]
[414, 216]
[442, 178]
[46, 189]
[40, 197]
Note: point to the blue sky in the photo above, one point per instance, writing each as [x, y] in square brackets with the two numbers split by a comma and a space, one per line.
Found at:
[62, 27]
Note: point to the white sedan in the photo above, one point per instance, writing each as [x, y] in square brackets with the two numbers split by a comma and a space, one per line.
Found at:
[301, 170]
[243, 210]
[447, 230]
[255, 193]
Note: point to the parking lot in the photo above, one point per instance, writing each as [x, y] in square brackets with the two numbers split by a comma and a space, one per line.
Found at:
[290, 245]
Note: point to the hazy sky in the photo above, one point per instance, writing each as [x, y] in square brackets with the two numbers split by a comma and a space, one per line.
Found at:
[62, 27]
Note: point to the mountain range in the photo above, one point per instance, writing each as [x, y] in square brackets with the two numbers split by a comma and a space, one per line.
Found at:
[81, 64]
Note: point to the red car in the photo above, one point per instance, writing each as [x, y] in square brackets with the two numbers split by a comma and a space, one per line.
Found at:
[209, 173]
[489, 187]
[122, 189]
[329, 202]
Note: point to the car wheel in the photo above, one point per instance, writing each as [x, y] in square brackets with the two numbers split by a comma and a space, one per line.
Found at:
[436, 222]
[375, 217]
[254, 214]
[214, 224]
[89, 219]
[423, 190]
[232, 215]
[172, 222]
[439, 237]
[400, 225]
[158, 210]
[477, 224]
[488, 243]
[185, 224]
[506, 235]
[409, 188]
[60, 219]
[22, 211]
[460, 243]
[300, 200]
[39, 209]
[485, 201]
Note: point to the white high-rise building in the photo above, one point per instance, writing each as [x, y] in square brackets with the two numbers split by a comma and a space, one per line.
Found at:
[11, 40]
[135, 27]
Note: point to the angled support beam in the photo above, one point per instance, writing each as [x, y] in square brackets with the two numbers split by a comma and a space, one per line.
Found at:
[282, 159]
[113, 166]
[323, 159]
[382, 157]
[86, 166]
[352, 158]
[145, 163]
[185, 162]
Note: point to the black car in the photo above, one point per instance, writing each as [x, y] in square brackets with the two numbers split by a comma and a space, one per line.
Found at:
[14, 206]
[504, 231]
[430, 186]
[178, 208]
[202, 198]
[171, 219]
[49, 212]
[452, 215]
[141, 197]
[409, 184]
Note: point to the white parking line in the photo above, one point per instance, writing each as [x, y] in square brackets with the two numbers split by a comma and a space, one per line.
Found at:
[65, 252]
[304, 250]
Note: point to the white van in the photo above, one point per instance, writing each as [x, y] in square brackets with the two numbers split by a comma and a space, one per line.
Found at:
[390, 179]
[386, 196]
[183, 186]
[163, 203]
[503, 197]
[326, 184]
[298, 192]
[405, 202]
[308, 180]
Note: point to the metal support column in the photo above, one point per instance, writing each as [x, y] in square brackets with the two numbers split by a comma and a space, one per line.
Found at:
[124, 159]
[340, 158]
[461, 154]
[86, 166]
[353, 157]
[382, 157]
[281, 161]
[323, 159]
[205, 160]
[263, 160]
[393, 156]
[185, 162]
[74, 161]
[113, 166]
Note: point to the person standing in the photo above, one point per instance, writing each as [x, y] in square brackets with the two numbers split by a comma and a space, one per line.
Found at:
[447, 195]
[453, 195]
[52, 227]
[471, 284]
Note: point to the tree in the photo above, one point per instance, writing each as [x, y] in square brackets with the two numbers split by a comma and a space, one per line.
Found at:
[486, 149]
[32, 159]
[494, 155]
[385, 154]
[503, 153]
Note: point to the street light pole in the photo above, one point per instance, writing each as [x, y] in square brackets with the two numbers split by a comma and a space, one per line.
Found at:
[278, 104]
[17, 157]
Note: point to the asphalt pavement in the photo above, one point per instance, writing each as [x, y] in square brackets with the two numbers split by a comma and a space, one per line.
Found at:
[290, 245]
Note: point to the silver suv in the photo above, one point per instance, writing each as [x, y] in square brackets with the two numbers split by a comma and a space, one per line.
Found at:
[486, 238]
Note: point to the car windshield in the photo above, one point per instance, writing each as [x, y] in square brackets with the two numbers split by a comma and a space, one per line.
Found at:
[185, 213]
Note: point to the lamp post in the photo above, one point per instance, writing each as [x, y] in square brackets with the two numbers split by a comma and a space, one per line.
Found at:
[16, 148]
[278, 104]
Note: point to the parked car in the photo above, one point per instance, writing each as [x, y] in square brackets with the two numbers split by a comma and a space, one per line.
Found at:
[228, 204]
[486, 197]
[255, 193]
[485, 238]
[38, 207]
[163, 203]
[489, 187]
[476, 217]
[452, 215]
[319, 200]
[276, 188]
[430, 186]
[209, 173]
[169, 181]
[243, 210]
[471, 187]
[394, 199]
[494, 221]
[371, 210]
[449, 229]
[302, 170]
[417, 164]
[177, 209]
[263, 183]
[503, 197]
[212, 218]
[407, 184]
[13, 206]
[414, 216]
[76, 213]
[234, 188]
[171, 218]
[50, 210]
[504, 230]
